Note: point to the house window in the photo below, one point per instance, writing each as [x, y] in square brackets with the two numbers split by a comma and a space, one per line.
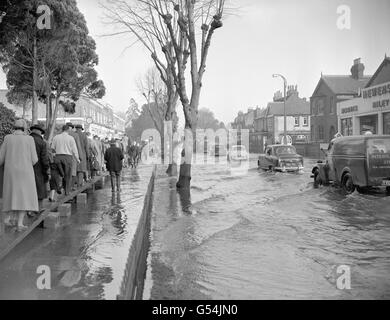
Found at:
[321, 133]
[305, 121]
[332, 107]
[312, 137]
[320, 106]
[296, 121]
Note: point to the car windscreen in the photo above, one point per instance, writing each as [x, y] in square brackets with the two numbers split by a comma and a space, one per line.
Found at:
[238, 148]
[284, 150]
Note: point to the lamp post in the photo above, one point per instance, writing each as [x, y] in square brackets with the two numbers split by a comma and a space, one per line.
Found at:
[284, 102]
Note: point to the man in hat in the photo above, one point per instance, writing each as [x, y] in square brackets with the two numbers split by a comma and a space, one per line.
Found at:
[114, 158]
[41, 168]
[76, 138]
[82, 167]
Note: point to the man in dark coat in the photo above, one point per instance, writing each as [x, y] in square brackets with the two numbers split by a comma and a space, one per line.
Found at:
[114, 158]
[82, 167]
[41, 168]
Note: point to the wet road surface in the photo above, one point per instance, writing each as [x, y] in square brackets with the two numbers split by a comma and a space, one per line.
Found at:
[87, 254]
[265, 235]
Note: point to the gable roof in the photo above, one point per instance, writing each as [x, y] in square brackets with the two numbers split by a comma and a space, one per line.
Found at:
[345, 84]
[294, 106]
[382, 65]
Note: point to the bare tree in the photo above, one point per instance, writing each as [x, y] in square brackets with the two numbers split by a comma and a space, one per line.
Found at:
[154, 90]
[182, 30]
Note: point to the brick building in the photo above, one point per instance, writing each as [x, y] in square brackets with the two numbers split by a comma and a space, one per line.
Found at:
[269, 122]
[330, 90]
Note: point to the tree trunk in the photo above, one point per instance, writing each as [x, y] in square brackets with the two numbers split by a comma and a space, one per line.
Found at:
[184, 181]
[49, 114]
[53, 120]
[34, 111]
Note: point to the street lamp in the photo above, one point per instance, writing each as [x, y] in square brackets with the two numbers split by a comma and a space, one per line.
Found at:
[284, 102]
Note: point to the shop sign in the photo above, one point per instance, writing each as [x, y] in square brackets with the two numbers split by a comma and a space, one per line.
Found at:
[376, 91]
[349, 109]
[381, 104]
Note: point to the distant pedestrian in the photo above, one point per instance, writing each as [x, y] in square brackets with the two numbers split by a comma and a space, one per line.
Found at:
[18, 155]
[41, 168]
[114, 159]
[65, 149]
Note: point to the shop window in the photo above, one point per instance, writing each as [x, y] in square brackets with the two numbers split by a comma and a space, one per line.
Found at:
[369, 123]
[386, 123]
[346, 127]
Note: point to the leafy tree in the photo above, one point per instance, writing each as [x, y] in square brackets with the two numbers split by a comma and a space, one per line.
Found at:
[132, 113]
[7, 120]
[207, 120]
[54, 64]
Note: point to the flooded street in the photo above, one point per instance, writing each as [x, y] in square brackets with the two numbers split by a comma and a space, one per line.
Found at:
[87, 254]
[265, 235]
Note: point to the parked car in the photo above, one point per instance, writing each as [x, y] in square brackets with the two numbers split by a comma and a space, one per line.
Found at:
[280, 157]
[355, 162]
[237, 153]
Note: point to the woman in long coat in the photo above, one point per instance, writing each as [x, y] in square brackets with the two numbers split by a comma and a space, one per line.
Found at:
[18, 155]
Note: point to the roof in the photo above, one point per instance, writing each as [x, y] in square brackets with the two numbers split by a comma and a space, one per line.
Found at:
[294, 106]
[344, 84]
[382, 65]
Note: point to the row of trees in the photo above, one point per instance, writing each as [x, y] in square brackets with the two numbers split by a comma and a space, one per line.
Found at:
[176, 33]
[55, 64]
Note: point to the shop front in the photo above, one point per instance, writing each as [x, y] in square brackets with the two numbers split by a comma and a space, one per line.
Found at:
[368, 113]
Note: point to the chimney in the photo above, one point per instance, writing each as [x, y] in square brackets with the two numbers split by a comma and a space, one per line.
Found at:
[357, 69]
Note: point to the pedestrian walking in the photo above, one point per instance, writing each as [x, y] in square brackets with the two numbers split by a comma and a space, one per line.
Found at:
[82, 167]
[18, 155]
[57, 175]
[76, 138]
[41, 168]
[114, 158]
[66, 152]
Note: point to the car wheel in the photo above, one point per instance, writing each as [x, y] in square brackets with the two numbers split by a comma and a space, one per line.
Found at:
[347, 184]
[271, 168]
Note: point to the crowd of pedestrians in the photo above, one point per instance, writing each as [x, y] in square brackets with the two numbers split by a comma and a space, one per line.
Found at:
[35, 170]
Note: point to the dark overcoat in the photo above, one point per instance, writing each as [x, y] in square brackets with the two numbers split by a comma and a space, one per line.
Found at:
[113, 157]
[41, 168]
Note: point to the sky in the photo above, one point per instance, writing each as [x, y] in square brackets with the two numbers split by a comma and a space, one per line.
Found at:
[296, 38]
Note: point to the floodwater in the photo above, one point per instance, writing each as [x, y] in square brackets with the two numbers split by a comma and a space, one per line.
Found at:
[264, 235]
[87, 255]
